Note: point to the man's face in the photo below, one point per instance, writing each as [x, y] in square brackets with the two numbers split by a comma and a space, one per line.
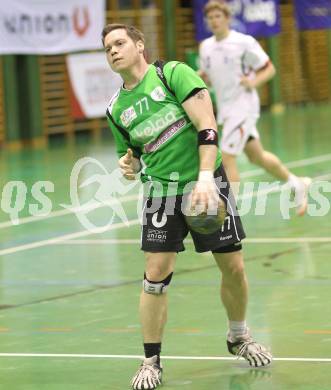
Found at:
[122, 52]
[217, 22]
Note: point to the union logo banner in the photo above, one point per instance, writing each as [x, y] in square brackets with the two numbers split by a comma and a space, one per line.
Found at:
[50, 26]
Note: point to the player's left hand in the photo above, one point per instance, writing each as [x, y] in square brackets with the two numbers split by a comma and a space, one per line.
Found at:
[205, 197]
[248, 83]
[129, 165]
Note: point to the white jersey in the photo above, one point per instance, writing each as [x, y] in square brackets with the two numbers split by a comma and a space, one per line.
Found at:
[226, 62]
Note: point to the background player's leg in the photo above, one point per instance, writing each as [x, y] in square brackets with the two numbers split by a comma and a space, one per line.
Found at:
[153, 308]
[230, 165]
[271, 163]
[234, 286]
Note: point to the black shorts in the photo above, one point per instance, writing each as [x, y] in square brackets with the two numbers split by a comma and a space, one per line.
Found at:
[164, 227]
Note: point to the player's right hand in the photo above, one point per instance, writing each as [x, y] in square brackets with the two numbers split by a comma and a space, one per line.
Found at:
[129, 165]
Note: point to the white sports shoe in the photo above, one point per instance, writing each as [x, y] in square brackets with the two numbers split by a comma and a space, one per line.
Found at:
[149, 375]
[256, 354]
[301, 195]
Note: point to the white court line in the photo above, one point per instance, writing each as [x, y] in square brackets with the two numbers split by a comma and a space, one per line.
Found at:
[92, 356]
[262, 240]
[251, 173]
[281, 240]
[61, 213]
[71, 236]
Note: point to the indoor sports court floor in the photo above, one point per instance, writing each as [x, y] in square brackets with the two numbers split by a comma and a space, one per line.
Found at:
[68, 297]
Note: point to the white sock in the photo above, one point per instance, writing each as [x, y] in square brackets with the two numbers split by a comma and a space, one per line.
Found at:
[237, 329]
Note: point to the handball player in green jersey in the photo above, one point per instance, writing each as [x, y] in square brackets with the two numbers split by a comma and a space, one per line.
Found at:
[165, 130]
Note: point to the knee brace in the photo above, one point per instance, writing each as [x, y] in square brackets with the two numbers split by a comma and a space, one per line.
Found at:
[156, 288]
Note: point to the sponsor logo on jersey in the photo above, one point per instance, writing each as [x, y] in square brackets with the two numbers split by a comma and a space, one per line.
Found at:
[152, 127]
[160, 124]
[158, 94]
[167, 134]
[128, 116]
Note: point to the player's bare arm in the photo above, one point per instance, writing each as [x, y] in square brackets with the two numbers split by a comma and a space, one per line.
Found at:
[199, 108]
[262, 76]
[129, 165]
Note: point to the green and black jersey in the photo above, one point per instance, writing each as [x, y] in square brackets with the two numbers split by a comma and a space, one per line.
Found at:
[151, 120]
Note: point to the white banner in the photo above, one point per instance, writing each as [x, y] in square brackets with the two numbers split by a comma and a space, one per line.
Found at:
[93, 83]
[50, 26]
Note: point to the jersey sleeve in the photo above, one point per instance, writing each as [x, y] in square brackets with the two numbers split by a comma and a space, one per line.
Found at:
[255, 57]
[183, 80]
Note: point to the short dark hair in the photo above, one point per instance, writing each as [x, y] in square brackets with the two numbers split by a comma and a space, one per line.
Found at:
[135, 34]
[213, 5]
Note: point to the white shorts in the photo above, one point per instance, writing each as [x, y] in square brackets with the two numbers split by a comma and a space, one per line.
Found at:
[236, 132]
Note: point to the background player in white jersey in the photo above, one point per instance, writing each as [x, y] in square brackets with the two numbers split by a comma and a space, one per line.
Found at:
[235, 64]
